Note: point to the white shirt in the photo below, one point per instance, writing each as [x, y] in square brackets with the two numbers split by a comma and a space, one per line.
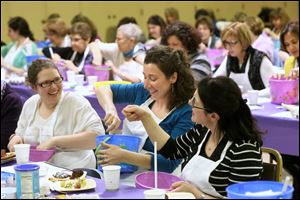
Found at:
[74, 115]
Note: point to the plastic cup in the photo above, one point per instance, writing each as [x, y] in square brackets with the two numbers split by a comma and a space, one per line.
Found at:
[22, 153]
[111, 175]
[92, 79]
[8, 193]
[253, 97]
[71, 76]
[155, 194]
[79, 79]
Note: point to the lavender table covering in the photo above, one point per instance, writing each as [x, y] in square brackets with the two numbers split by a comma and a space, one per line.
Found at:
[282, 133]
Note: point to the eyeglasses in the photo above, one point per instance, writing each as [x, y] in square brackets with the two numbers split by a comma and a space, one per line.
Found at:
[46, 84]
[192, 103]
[231, 44]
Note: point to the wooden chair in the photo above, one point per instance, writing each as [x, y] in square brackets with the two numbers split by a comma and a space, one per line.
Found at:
[272, 164]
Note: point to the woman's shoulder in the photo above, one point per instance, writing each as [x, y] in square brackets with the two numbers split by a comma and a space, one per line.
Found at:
[244, 145]
[75, 100]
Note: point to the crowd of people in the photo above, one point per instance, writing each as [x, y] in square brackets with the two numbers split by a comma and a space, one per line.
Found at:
[172, 99]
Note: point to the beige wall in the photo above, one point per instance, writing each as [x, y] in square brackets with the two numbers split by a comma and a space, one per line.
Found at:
[106, 14]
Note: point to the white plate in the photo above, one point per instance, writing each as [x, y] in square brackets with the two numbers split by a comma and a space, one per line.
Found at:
[90, 184]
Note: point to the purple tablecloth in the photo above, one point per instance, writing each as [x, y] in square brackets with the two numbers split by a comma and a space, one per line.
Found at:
[282, 133]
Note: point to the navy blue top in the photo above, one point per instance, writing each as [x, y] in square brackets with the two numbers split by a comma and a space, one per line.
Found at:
[176, 123]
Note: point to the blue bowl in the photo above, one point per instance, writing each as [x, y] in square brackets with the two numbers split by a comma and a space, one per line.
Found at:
[238, 190]
[43, 44]
[30, 59]
[128, 142]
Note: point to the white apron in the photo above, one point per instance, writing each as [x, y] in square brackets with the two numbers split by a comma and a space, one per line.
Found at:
[137, 128]
[242, 78]
[202, 168]
[69, 159]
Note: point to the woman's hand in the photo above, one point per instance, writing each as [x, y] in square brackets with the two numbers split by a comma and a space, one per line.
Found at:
[294, 72]
[15, 140]
[134, 112]
[47, 144]
[112, 121]
[182, 186]
[112, 154]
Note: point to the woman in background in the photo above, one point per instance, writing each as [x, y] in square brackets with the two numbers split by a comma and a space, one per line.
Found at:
[290, 42]
[13, 55]
[156, 26]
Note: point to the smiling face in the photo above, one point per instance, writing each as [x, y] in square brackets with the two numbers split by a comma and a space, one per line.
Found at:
[198, 115]
[154, 30]
[204, 31]
[291, 42]
[155, 81]
[175, 43]
[49, 95]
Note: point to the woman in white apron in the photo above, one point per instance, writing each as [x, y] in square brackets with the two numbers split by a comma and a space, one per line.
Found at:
[247, 66]
[167, 87]
[56, 119]
[75, 57]
[223, 148]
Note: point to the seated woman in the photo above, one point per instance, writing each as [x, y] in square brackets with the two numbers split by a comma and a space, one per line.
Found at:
[13, 55]
[57, 32]
[247, 66]
[75, 57]
[126, 48]
[182, 36]
[205, 27]
[52, 118]
[289, 39]
[167, 87]
[156, 26]
[11, 106]
[223, 147]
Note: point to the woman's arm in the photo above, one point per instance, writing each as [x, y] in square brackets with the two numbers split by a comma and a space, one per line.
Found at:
[105, 99]
[83, 140]
[94, 49]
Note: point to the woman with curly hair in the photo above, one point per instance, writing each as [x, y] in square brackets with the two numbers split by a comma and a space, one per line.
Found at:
[182, 36]
[167, 87]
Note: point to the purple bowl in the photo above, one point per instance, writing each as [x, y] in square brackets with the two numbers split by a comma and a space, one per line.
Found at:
[40, 155]
[145, 180]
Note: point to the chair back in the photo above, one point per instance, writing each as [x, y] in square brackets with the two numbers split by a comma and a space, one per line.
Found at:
[272, 164]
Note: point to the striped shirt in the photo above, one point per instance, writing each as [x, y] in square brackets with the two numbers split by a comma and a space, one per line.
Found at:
[242, 161]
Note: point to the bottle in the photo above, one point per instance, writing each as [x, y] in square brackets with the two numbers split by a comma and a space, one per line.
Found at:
[27, 181]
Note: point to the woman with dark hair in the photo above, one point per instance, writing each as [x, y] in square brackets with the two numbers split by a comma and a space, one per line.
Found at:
[13, 55]
[11, 107]
[223, 147]
[43, 119]
[167, 87]
[156, 26]
[289, 39]
[182, 36]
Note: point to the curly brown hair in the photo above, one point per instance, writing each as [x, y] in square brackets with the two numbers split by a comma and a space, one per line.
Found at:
[188, 35]
[169, 61]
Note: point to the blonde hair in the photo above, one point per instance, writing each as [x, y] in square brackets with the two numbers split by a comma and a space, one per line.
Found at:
[57, 27]
[255, 24]
[240, 31]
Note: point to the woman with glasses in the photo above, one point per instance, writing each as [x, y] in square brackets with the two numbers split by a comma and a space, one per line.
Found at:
[247, 66]
[75, 57]
[167, 87]
[52, 118]
[223, 147]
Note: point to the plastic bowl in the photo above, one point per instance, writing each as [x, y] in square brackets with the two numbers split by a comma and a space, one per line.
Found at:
[284, 91]
[102, 72]
[40, 155]
[128, 142]
[238, 190]
[145, 180]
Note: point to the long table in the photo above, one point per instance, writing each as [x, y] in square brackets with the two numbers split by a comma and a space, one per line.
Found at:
[282, 133]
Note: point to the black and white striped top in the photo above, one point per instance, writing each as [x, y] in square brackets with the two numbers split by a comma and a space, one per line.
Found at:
[242, 161]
